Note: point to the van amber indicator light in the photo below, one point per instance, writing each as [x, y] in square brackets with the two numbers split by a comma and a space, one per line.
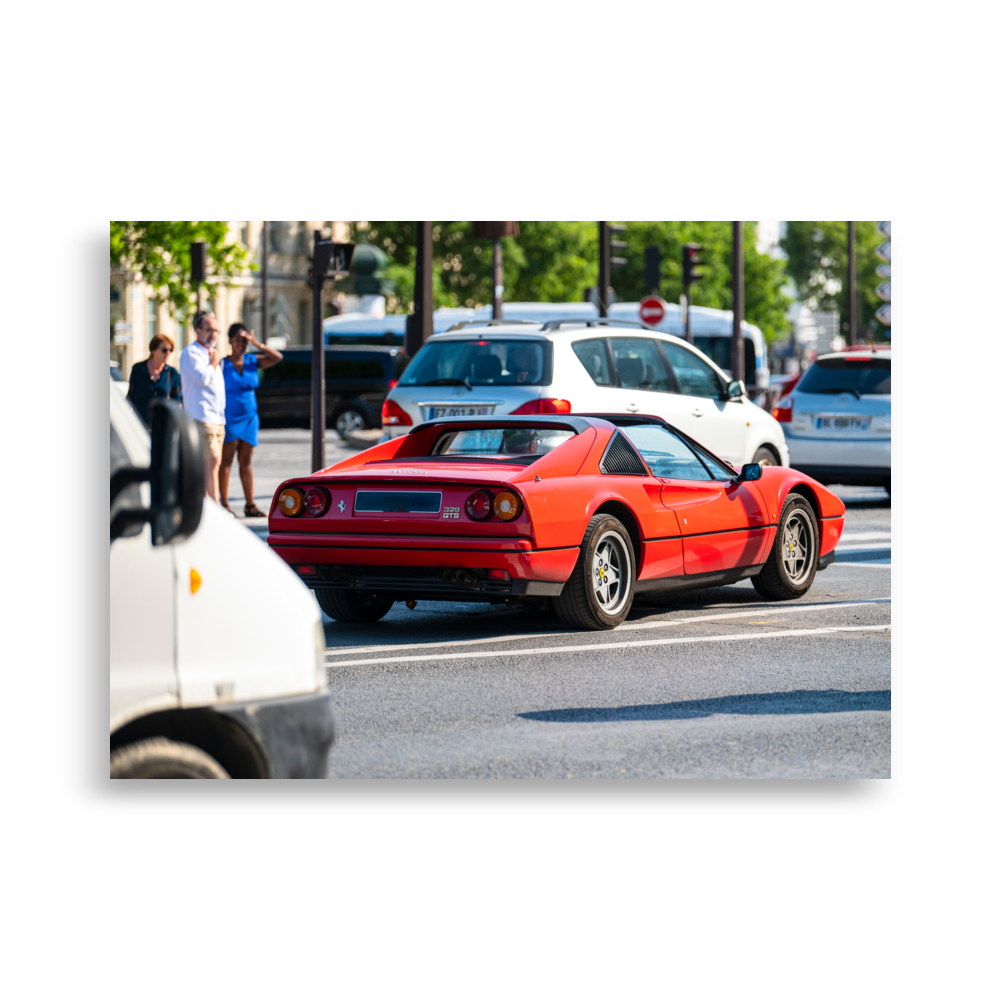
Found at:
[479, 506]
[506, 506]
[290, 502]
[316, 501]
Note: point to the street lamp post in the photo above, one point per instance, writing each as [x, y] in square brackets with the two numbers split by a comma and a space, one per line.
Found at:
[330, 260]
[736, 364]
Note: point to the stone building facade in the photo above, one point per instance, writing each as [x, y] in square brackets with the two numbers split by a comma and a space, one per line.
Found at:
[138, 314]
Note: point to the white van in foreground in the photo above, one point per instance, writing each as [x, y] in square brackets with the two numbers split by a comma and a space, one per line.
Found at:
[217, 648]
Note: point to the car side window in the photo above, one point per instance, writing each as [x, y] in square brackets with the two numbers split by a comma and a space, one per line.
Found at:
[665, 453]
[694, 376]
[640, 365]
[593, 355]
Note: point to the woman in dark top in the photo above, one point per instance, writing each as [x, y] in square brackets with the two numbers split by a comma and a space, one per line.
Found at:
[242, 423]
[154, 378]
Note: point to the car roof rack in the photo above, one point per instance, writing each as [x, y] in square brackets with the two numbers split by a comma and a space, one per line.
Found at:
[490, 322]
[554, 324]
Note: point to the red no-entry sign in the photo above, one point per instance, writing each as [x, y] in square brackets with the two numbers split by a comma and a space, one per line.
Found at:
[652, 310]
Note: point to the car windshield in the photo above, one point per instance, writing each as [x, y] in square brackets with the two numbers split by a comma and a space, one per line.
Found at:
[481, 362]
[516, 444]
[859, 374]
[670, 457]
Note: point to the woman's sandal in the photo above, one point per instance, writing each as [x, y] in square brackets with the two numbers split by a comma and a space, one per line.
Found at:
[252, 510]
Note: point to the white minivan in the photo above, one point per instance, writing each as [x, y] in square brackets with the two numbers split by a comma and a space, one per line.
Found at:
[217, 648]
[582, 366]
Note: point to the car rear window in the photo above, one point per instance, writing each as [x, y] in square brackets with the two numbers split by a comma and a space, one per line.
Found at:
[863, 375]
[481, 362]
[501, 442]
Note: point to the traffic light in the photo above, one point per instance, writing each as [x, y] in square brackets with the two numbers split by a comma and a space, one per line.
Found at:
[691, 260]
[617, 245]
[653, 258]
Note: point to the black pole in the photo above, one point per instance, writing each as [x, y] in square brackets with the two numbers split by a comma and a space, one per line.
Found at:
[264, 316]
[688, 335]
[420, 326]
[603, 268]
[852, 300]
[736, 348]
[497, 278]
[318, 367]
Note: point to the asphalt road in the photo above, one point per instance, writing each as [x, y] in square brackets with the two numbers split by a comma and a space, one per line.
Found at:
[717, 683]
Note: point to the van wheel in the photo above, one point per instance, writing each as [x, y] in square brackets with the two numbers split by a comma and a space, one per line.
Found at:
[764, 456]
[159, 757]
[599, 593]
[350, 606]
[791, 564]
[348, 422]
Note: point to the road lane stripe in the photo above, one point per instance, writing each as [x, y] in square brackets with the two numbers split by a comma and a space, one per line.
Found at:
[600, 647]
[628, 627]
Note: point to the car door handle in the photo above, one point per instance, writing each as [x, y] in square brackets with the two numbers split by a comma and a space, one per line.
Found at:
[632, 407]
[698, 412]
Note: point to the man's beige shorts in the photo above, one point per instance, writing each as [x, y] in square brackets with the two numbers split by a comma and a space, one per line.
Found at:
[211, 438]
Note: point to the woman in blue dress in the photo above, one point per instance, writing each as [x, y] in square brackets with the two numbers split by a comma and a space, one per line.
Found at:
[242, 423]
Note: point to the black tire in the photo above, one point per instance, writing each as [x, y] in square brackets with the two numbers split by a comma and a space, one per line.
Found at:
[351, 606]
[764, 456]
[581, 604]
[159, 757]
[349, 421]
[787, 574]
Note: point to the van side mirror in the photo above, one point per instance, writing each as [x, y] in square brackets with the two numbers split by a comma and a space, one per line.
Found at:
[736, 389]
[176, 475]
[748, 474]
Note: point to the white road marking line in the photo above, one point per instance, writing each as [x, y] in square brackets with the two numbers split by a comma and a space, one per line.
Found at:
[874, 563]
[602, 646]
[628, 627]
[865, 536]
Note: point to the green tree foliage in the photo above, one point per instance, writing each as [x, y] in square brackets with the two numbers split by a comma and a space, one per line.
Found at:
[817, 263]
[161, 252]
[557, 262]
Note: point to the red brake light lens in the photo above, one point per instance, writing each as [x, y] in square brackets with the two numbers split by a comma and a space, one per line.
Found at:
[316, 502]
[479, 506]
[544, 406]
[393, 415]
[783, 411]
[393, 382]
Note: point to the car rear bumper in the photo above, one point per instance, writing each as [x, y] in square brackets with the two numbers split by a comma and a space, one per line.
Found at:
[847, 475]
[824, 452]
[407, 564]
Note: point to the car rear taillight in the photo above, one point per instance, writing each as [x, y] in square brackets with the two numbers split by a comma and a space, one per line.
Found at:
[506, 506]
[544, 406]
[393, 382]
[393, 415]
[479, 506]
[290, 502]
[316, 501]
[783, 411]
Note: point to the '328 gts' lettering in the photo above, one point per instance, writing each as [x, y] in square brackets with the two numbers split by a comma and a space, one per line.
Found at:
[451, 512]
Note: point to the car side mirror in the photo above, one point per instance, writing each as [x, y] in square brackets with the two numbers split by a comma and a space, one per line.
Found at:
[736, 389]
[176, 475]
[748, 474]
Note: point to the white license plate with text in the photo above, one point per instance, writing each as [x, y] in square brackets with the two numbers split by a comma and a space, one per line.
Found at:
[835, 423]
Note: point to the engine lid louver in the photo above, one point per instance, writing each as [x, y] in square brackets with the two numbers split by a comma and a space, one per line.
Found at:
[621, 459]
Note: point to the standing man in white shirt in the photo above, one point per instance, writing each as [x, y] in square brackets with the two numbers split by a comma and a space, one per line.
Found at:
[204, 390]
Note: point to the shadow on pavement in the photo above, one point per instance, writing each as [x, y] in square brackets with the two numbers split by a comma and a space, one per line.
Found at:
[778, 703]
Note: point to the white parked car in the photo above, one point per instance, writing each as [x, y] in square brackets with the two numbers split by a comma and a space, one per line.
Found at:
[582, 366]
[838, 418]
[196, 691]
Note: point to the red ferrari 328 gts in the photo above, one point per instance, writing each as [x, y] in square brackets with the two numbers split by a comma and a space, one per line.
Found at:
[583, 511]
